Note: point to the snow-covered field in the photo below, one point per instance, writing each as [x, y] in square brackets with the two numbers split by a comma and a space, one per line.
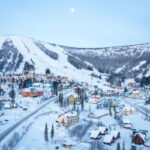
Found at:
[35, 135]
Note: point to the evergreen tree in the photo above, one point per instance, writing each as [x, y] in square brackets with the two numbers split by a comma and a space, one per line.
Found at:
[114, 111]
[52, 132]
[55, 83]
[12, 94]
[89, 108]
[82, 103]
[123, 145]
[1, 105]
[118, 146]
[47, 71]
[46, 133]
[125, 90]
[78, 110]
[110, 113]
[74, 105]
[61, 99]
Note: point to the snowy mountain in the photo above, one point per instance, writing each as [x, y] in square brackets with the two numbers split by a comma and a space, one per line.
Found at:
[128, 61]
[21, 53]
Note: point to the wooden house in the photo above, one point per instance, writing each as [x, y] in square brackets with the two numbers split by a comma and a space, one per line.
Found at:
[102, 130]
[73, 98]
[138, 137]
[95, 135]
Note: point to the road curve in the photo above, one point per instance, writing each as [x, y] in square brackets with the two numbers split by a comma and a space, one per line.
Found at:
[10, 129]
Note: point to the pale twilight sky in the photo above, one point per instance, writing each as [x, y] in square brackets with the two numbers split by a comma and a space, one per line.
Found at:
[80, 23]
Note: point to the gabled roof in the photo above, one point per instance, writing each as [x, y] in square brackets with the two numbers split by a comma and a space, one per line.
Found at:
[102, 129]
[108, 138]
[114, 133]
[141, 135]
[125, 121]
[94, 134]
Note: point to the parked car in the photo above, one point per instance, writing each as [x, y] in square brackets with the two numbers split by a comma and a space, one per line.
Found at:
[25, 109]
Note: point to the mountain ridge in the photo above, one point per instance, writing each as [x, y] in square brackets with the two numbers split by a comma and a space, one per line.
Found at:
[19, 53]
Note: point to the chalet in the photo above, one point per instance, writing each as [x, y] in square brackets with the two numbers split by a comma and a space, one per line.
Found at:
[78, 90]
[128, 110]
[95, 135]
[68, 119]
[127, 124]
[73, 98]
[138, 137]
[108, 139]
[115, 134]
[102, 130]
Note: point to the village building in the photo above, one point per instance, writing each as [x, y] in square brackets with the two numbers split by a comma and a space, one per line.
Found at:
[68, 119]
[102, 130]
[128, 110]
[108, 139]
[138, 137]
[94, 99]
[127, 124]
[67, 143]
[78, 90]
[115, 134]
[8, 105]
[73, 98]
[31, 92]
[95, 135]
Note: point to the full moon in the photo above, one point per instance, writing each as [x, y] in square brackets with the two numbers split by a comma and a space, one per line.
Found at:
[72, 10]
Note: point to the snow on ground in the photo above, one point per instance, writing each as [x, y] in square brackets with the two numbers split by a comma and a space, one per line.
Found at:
[147, 73]
[119, 69]
[32, 53]
[50, 113]
[139, 65]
